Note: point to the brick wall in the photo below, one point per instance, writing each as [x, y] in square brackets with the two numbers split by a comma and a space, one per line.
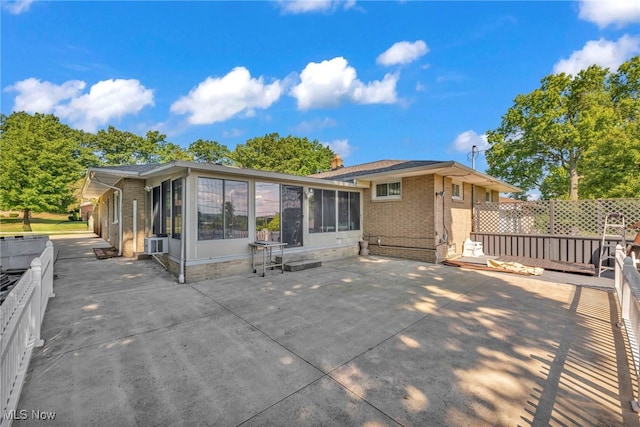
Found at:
[420, 220]
[216, 270]
[460, 228]
[106, 228]
[133, 189]
[405, 226]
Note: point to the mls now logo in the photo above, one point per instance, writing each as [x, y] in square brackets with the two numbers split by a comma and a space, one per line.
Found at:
[23, 414]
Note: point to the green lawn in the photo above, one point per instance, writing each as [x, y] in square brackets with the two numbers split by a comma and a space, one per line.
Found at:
[43, 223]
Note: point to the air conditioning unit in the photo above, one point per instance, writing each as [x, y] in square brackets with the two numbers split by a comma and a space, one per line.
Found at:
[156, 245]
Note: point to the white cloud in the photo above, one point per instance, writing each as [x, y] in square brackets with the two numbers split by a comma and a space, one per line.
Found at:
[452, 76]
[601, 52]
[106, 100]
[613, 12]
[466, 140]
[341, 147]
[232, 133]
[35, 96]
[331, 82]
[310, 126]
[16, 7]
[219, 98]
[313, 6]
[403, 52]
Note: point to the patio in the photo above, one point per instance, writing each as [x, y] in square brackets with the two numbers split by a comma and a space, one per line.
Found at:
[361, 341]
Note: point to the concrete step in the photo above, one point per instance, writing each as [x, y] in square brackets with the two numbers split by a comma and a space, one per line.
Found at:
[301, 265]
[291, 258]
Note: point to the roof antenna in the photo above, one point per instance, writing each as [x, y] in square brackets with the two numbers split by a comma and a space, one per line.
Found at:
[474, 149]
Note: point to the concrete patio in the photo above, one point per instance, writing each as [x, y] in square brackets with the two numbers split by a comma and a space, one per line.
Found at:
[363, 341]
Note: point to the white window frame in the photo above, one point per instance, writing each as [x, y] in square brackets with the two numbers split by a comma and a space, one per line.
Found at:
[487, 197]
[460, 195]
[116, 207]
[387, 197]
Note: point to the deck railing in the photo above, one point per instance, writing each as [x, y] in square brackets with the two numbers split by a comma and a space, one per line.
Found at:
[627, 284]
[21, 316]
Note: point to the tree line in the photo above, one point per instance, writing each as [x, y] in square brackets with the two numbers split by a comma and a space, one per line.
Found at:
[44, 160]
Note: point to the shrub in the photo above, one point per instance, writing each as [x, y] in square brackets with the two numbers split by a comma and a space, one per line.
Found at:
[14, 215]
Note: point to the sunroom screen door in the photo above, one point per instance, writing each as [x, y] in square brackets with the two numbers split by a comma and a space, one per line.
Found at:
[291, 215]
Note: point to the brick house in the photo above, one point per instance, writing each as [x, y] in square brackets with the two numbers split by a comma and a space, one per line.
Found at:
[210, 214]
[420, 209]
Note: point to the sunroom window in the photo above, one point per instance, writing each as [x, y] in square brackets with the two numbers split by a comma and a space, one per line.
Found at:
[322, 211]
[223, 207]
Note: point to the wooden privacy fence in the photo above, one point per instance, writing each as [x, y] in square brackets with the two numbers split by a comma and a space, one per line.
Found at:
[558, 230]
[627, 285]
[21, 316]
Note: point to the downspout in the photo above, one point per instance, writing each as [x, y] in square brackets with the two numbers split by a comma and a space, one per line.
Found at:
[120, 218]
[183, 231]
[135, 227]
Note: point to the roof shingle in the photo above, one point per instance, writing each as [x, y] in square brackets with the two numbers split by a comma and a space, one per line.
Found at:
[379, 166]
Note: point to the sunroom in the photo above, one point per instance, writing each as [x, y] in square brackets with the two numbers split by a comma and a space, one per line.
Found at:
[208, 215]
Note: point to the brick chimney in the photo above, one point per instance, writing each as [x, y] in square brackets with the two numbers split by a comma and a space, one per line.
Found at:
[336, 162]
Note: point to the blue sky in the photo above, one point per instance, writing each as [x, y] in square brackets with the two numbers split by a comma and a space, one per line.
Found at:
[372, 79]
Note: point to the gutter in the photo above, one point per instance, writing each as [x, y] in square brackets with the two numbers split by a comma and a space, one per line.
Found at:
[120, 218]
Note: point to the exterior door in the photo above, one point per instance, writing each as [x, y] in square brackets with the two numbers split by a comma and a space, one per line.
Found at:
[291, 224]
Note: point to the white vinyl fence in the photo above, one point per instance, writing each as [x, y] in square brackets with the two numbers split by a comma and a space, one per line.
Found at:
[21, 316]
[627, 283]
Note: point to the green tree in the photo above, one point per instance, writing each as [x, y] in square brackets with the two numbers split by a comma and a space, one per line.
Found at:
[613, 163]
[550, 138]
[41, 161]
[116, 147]
[207, 151]
[169, 152]
[291, 154]
[274, 224]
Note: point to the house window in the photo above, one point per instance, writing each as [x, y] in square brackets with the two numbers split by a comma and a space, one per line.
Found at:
[223, 207]
[166, 207]
[176, 208]
[456, 191]
[157, 209]
[348, 211]
[488, 196]
[116, 206]
[322, 211]
[388, 190]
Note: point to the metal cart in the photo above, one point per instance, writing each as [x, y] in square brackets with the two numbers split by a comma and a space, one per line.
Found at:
[267, 255]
